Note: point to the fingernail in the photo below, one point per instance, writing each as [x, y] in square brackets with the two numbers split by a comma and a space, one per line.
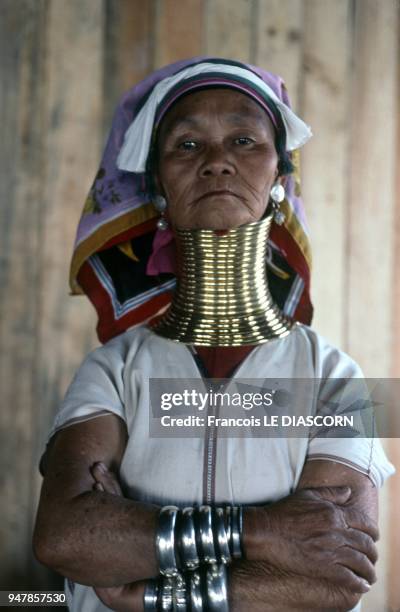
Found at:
[101, 467]
[366, 585]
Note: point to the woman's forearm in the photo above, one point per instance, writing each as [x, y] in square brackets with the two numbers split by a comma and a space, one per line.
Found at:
[95, 537]
[99, 539]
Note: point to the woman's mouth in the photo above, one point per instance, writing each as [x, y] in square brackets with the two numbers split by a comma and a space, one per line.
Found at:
[217, 193]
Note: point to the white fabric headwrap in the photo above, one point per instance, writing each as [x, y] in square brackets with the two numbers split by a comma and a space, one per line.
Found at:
[137, 139]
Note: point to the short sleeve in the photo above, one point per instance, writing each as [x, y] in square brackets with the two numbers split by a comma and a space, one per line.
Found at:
[344, 393]
[96, 389]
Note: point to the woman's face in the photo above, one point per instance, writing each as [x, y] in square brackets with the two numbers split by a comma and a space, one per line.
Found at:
[216, 160]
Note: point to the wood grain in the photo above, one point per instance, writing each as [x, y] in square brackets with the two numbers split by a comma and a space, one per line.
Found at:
[129, 48]
[22, 164]
[179, 28]
[325, 102]
[393, 445]
[371, 189]
[229, 29]
[278, 41]
[371, 215]
[72, 110]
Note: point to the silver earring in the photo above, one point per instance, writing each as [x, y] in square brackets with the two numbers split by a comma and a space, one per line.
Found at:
[277, 195]
[162, 223]
[160, 204]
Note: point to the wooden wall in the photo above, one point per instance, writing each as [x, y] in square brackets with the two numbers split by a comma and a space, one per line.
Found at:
[63, 67]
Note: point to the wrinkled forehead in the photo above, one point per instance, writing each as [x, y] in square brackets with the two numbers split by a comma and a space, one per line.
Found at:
[196, 109]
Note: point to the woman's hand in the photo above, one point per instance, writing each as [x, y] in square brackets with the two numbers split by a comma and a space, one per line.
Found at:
[127, 597]
[105, 480]
[312, 533]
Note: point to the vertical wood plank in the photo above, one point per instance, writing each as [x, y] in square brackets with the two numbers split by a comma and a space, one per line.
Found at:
[179, 31]
[278, 38]
[229, 29]
[129, 48]
[22, 31]
[325, 104]
[393, 445]
[72, 111]
[371, 213]
[371, 193]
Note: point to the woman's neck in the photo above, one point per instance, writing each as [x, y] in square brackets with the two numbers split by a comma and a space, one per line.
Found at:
[222, 296]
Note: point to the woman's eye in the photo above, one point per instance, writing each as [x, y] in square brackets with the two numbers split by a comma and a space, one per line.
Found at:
[244, 140]
[188, 145]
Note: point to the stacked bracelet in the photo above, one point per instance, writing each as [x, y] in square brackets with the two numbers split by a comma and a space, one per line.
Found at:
[209, 535]
[221, 536]
[187, 545]
[180, 599]
[186, 540]
[217, 596]
[197, 591]
[206, 534]
[166, 597]
[236, 517]
[150, 598]
[195, 594]
[165, 541]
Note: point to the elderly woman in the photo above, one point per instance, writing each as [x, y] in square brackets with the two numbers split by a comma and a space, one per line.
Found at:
[193, 237]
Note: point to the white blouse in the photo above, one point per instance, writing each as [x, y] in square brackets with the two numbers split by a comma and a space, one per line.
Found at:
[209, 467]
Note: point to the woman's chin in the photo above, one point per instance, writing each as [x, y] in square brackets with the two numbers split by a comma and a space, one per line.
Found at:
[221, 223]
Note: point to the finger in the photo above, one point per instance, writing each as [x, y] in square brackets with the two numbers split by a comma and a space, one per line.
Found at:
[125, 597]
[361, 521]
[358, 563]
[110, 596]
[98, 486]
[337, 495]
[347, 579]
[107, 478]
[362, 542]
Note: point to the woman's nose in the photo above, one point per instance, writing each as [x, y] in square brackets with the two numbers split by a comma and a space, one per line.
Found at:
[216, 162]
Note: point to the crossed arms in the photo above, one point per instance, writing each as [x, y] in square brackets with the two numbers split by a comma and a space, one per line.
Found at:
[313, 550]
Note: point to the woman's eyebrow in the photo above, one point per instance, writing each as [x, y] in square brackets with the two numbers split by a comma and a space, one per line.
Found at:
[237, 118]
[245, 116]
[182, 122]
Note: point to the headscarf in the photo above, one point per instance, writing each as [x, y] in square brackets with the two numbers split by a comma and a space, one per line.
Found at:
[126, 266]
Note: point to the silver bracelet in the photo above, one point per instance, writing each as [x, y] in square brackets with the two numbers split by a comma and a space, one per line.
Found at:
[165, 541]
[236, 536]
[221, 536]
[217, 595]
[206, 535]
[180, 603]
[196, 597]
[166, 594]
[187, 540]
[150, 596]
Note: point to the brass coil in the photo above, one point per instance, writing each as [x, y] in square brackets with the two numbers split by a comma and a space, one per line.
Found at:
[222, 296]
